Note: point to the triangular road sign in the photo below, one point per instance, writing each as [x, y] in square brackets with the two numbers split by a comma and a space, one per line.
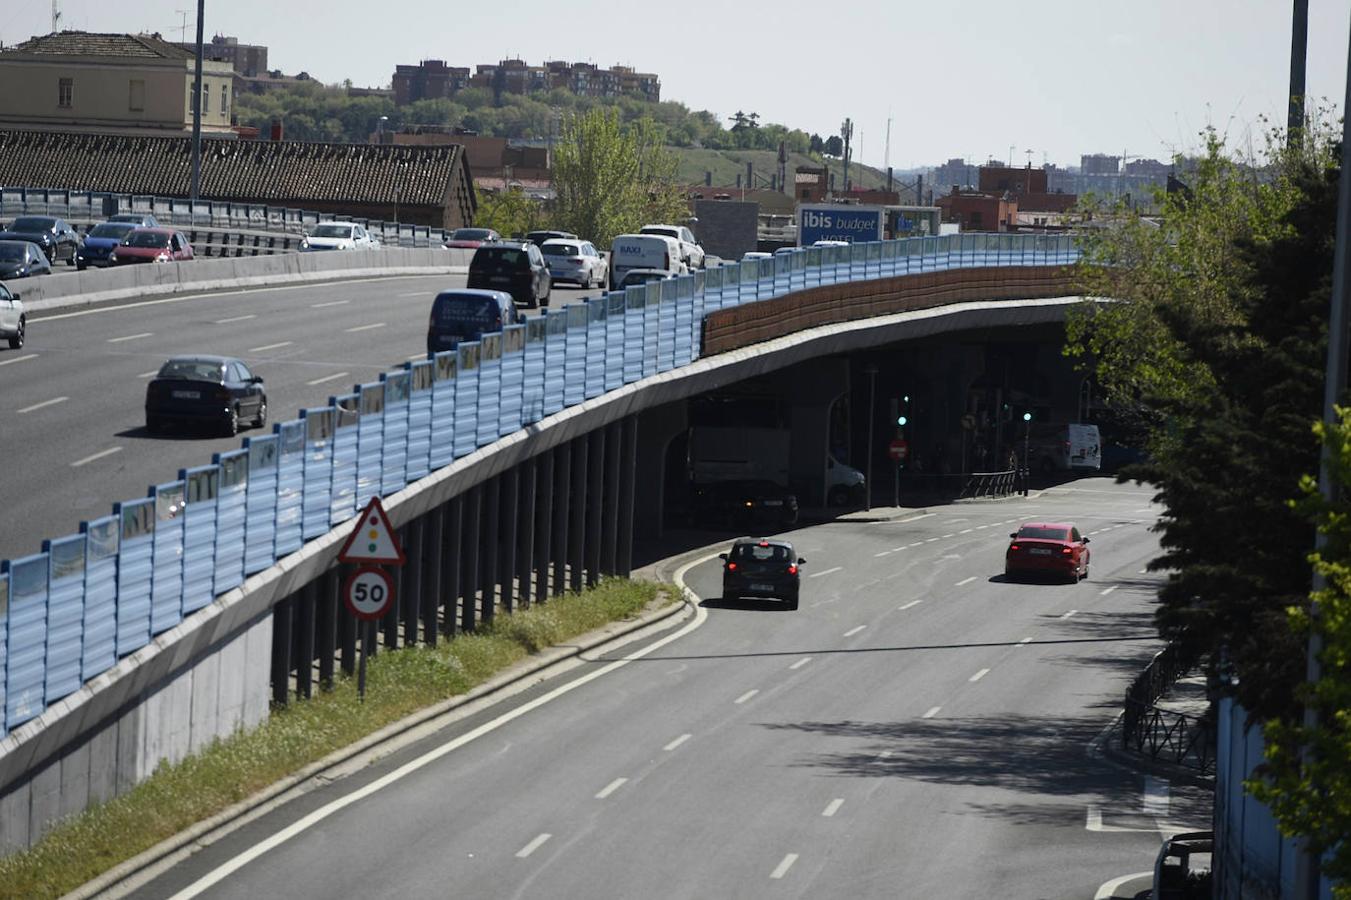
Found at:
[372, 539]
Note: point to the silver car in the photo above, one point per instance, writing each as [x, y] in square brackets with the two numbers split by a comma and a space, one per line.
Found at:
[12, 320]
[574, 261]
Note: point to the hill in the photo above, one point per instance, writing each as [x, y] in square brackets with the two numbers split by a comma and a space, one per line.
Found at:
[726, 165]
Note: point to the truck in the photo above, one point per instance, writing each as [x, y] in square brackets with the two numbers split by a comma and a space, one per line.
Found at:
[1064, 447]
[722, 454]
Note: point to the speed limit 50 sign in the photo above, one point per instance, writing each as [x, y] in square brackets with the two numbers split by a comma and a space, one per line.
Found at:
[369, 593]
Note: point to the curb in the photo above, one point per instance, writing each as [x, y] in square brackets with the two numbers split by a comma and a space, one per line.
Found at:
[375, 745]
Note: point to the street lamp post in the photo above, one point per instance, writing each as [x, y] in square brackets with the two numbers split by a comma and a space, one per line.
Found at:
[871, 369]
[195, 188]
[1027, 435]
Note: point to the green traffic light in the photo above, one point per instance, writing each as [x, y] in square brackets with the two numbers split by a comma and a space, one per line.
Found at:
[901, 420]
[1027, 417]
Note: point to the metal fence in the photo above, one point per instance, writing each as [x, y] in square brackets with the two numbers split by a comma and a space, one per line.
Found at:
[70, 612]
[1165, 734]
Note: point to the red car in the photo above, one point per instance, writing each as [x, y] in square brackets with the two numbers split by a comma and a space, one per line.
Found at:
[1047, 548]
[143, 245]
[470, 238]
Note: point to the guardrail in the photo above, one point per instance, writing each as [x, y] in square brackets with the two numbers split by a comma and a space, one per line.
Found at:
[94, 206]
[1164, 734]
[69, 613]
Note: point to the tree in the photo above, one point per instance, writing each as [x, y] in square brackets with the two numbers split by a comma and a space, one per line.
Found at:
[509, 212]
[816, 146]
[834, 146]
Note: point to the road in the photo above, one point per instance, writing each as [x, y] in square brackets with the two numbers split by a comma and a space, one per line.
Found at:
[72, 400]
[919, 728]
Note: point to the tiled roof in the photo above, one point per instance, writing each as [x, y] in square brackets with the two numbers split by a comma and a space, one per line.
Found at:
[276, 172]
[86, 43]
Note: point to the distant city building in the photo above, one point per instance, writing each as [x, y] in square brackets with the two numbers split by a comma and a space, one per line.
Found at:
[979, 210]
[994, 179]
[1149, 167]
[248, 60]
[1099, 164]
[434, 79]
[955, 173]
[493, 162]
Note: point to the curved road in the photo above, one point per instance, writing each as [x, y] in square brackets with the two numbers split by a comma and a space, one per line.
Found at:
[72, 400]
[919, 728]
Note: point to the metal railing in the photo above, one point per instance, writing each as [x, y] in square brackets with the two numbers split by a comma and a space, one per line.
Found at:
[69, 613]
[1163, 734]
[992, 484]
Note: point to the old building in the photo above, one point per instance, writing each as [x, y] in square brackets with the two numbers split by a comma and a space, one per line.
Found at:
[416, 185]
[994, 179]
[110, 83]
[247, 60]
[434, 79]
[979, 211]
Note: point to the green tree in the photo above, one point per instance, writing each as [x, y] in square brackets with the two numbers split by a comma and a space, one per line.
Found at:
[509, 212]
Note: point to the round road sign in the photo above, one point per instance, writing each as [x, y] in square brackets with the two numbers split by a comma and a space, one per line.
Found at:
[897, 449]
[369, 593]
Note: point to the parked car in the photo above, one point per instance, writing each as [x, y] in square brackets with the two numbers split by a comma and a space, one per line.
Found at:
[55, 236]
[22, 259]
[467, 315]
[140, 220]
[578, 262]
[539, 237]
[644, 251]
[758, 567]
[205, 390]
[1047, 548]
[516, 267]
[338, 236]
[158, 245]
[691, 252]
[471, 238]
[100, 242]
[641, 276]
[744, 503]
[13, 323]
[756, 254]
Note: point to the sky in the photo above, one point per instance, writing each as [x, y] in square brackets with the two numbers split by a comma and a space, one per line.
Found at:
[1049, 79]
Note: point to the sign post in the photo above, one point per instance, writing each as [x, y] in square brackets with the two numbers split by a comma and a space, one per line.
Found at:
[898, 449]
[369, 591]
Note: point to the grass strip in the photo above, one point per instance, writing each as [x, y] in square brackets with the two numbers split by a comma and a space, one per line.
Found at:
[398, 683]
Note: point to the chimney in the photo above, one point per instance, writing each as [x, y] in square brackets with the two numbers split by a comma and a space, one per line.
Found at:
[708, 178]
[276, 132]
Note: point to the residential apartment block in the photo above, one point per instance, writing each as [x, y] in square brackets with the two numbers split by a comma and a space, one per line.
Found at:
[434, 78]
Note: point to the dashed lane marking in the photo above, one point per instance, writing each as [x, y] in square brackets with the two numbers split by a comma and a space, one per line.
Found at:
[532, 846]
[966, 581]
[825, 572]
[235, 319]
[933, 711]
[611, 788]
[905, 606]
[966, 531]
[979, 675]
[801, 662]
[883, 553]
[782, 868]
[1024, 641]
[93, 456]
[329, 303]
[677, 742]
[1106, 591]
[1070, 613]
[833, 807]
[18, 359]
[151, 374]
[746, 696]
[855, 630]
[131, 337]
[43, 404]
[334, 377]
[365, 327]
[276, 346]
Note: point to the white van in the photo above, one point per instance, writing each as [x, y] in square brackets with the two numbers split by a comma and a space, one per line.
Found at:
[644, 251]
[1060, 447]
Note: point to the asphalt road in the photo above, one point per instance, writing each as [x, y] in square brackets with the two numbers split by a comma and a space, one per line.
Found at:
[919, 728]
[72, 418]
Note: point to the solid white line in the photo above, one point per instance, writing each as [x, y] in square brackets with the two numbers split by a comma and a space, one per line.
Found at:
[334, 377]
[526, 850]
[1104, 593]
[855, 630]
[825, 572]
[910, 604]
[915, 518]
[979, 675]
[611, 788]
[1070, 613]
[746, 696]
[366, 327]
[965, 581]
[933, 711]
[44, 403]
[131, 337]
[271, 346]
[833, 807]
[677, 742]
[415, 294]
[1109, 888]
[148, 374]
[226, 869]
[784, 866]
[88, 459]
[329, 303]
[883, 553]
[801, 662]
[6, 362]
[235, 319]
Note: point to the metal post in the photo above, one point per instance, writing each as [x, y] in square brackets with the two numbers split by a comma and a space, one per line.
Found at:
[544, 519]
[198, 88]
[1299, 48]
[1027, 462]
[432, 541]
[871, 369]
[469, 600]
[281, 650]
[595, 500]
[628, 463]
[577, 537]
[525, 529]
[492, 526]
[451, 579]
[562, 503]
[609, 530]
[511, 513]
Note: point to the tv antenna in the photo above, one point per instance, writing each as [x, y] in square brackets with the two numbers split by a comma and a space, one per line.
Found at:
[183, 27]
[56, 15]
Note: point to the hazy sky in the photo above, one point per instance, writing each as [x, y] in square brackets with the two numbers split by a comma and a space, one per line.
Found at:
[956, 77]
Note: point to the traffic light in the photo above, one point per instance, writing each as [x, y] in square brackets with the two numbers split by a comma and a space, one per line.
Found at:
[1027, 417]
[901, 420]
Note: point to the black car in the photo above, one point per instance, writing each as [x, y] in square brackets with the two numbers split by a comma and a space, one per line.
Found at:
[55, 236]
[466, 315]
[22, 259]
[759, 567]
[140, 220]
[744, 503]
[207, 390]
[516, 267]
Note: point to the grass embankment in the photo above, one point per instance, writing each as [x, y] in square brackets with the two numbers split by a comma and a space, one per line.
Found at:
[398, 683]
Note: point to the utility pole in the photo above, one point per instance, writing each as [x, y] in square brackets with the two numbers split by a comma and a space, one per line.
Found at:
[182, 25]
[886, 161]
[1299, 48]
[847, 133]
[197, 89]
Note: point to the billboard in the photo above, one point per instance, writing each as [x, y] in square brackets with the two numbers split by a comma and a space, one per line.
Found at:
[838, 222]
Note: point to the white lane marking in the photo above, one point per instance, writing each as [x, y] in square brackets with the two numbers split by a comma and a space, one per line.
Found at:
[334, 377]
[235, 319]
[915, 544]
[226, 869]
[884, 754]
[1109, 888]
[1104, 593]
[801, 662]
[898, 549]
[1070, 613]
[930, 540]
[1094, 823]
[883, 553]
[93, 456]
[966, 531]
[366, 327]
[1144, 571]
[276, 346]
[965, 581]
[979, 675]
[933, 711]
[26, 356]
[44, 403]
[904, 606]
[611, 788]
[833, 807]
[524, 851]
[415, 294]
[150, 374]
[677, 742]
[855, 630]
[825, 572]
[1156, 796]
[783, 867]
[948, 535]
[1026, 640]
[979, 527]
[131, 337]
[915, 518]
[329, 303]
[746, 696]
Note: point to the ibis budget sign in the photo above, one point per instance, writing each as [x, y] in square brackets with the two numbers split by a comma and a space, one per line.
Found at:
[838, 222]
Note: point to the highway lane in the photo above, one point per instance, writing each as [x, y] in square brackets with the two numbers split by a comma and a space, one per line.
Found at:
[71, 401]
[919, 728]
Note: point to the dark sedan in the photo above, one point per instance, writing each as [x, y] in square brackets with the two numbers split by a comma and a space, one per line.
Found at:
[215, 391]
[21, 259]
[55, 236]
[100, 242]
[758, 567]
